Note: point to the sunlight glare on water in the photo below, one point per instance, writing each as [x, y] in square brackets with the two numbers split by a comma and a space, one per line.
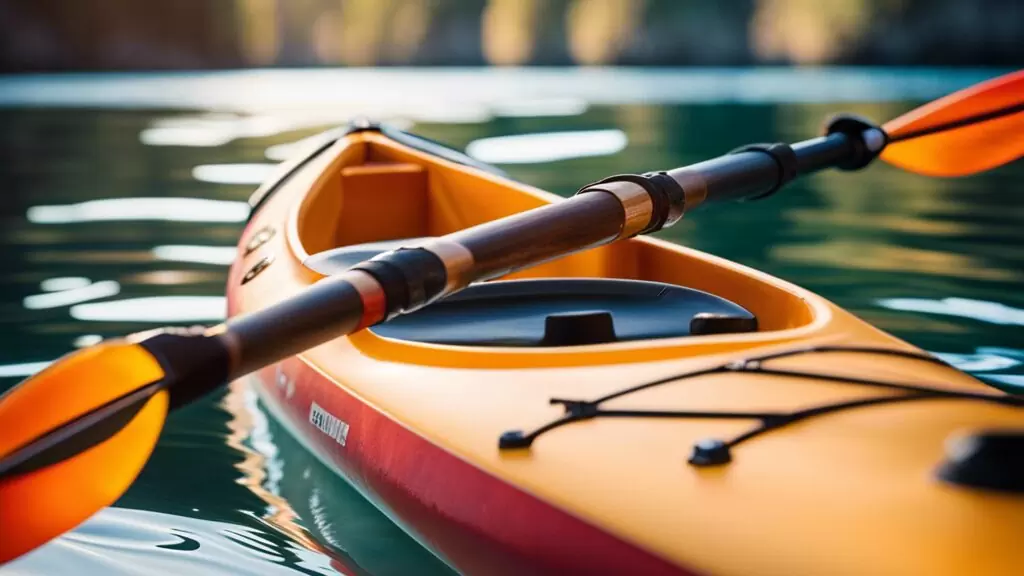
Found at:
[159, 309]
[547, 147]
[136, 209]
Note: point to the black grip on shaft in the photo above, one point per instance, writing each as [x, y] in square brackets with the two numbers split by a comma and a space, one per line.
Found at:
[854, 127]
[410, 277]
[329, 308]
[674, 199]
[193, 364]
[784, 157]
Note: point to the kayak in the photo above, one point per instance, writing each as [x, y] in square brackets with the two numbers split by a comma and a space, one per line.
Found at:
[637, 408]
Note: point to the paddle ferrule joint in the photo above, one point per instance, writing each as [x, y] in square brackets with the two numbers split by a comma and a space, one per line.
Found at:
[371, 293]
[411, 278]
[458, 262]
[649, 201]
[695, 191]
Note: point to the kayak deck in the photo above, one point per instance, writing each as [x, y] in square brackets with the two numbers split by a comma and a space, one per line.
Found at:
[849, 492]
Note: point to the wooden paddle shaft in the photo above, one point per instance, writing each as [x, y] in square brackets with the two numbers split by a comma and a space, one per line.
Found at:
[529, 238]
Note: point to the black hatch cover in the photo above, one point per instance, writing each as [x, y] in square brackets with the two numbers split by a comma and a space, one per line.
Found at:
[551, 312]
[568, 312]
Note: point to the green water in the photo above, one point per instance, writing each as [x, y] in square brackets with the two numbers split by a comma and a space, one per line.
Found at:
[938, 262]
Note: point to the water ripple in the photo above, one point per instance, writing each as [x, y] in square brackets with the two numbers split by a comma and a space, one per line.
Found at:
[122, 541]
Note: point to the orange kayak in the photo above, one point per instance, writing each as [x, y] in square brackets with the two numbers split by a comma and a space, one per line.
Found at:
[637, 408]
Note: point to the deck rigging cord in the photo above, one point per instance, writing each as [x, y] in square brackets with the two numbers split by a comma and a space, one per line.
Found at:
[710, 452]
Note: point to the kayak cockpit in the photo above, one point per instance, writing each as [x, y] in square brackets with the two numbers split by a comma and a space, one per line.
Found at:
[378, 194]
[552, 311]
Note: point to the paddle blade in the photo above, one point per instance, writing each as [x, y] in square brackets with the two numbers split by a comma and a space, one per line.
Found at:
[966, 132]
[74, 438]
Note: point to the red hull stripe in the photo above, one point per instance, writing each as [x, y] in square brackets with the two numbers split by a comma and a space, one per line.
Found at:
[479, 523]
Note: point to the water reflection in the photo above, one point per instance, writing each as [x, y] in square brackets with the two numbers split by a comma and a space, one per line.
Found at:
[175, 277]
[118, 209]
[871, 255]
[69, 296]
[63, 283]
[253, 174]
[86, 340]
[305, 497]
[989, 359]
[22, 369]
[287, 150]
[547, 147]
[980, 362]
[1001, 351]
[1014, 383]
[540, 107]
[155, 309]
[218, 255]
[385, 92]
[208, 130]
[128, 542]
[993, 312]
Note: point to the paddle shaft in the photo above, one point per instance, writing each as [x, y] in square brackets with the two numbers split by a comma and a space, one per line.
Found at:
[404, 280]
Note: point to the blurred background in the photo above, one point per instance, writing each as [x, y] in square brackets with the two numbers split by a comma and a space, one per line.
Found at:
[134, 131]
[38, 35]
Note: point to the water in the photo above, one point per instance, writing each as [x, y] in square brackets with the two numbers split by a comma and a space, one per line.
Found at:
[123, 198]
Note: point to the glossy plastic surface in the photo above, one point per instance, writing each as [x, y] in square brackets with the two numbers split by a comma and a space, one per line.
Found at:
[850, 493]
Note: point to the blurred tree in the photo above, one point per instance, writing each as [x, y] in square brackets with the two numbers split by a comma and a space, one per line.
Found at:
[945, 32]
[938, 32]
[366, 32]
[810, 31]
[259, 40]
[692, 32]
[508, 30]
[600, 30]
[516, 32]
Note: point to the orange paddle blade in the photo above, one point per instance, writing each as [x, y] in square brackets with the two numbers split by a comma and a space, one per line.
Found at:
[966, 132]
[75, 437]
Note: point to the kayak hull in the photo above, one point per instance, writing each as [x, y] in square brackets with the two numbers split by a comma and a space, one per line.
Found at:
[474, 521]
[415, 425]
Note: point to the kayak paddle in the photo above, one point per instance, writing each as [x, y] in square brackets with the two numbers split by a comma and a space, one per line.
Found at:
[77, 434]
